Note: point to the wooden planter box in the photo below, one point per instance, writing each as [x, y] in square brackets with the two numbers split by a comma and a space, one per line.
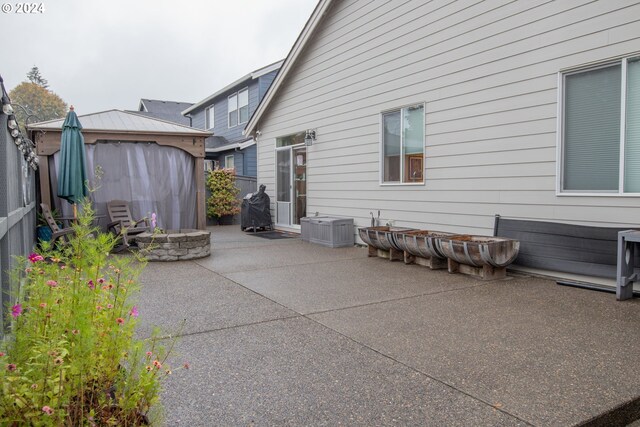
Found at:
[381, 241]
[420, 247]
[480, 256]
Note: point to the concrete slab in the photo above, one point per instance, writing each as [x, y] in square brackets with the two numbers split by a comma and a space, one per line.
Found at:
[230, 237]
[277, 254]
[296, 372]
[547, 354]
[173, 291]
[322, 286]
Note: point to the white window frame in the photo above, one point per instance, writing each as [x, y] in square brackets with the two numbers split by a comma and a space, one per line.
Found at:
[382, 182]
[236, 95]
[226, 161]
[560, 129]
[209, 117]
[246, 89]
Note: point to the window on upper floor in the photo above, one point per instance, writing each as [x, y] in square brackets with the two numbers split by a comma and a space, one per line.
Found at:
[238, 107]
[209, 117]
[600, 122]
[402, 146]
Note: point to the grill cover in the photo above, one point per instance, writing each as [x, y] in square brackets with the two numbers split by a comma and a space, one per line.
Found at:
[255, 211]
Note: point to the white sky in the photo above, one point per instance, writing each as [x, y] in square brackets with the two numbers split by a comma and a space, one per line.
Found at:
[104, 54]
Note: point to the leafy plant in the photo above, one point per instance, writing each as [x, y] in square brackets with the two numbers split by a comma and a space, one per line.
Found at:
[72, 358]
[224, 193]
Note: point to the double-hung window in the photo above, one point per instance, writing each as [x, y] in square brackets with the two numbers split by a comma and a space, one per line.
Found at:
[601, 129]
[209, 117]
[402, 151]
[229, 162]
[238, 107]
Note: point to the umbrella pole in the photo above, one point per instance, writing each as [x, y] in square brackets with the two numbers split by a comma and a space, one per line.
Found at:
[75, 212]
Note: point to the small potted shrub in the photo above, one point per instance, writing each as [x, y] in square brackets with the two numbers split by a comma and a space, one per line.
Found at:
[223, 202]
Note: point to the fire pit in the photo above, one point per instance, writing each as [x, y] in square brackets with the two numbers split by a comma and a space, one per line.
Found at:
[175, 245]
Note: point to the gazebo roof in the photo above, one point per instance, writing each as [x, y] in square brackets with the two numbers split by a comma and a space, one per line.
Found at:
[118, 121]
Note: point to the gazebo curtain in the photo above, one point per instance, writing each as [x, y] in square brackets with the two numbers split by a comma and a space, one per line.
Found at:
[151, 177]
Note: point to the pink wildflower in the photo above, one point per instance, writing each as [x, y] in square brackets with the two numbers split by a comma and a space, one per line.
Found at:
[35, 258]
[2, 354]
[47, 410]
[28, 270]
[91, 285]
[99, 307]
[153, 220]
[43, 304]
[75, 332]
[62, 267]
[11, 367]
[52, 283]
[148, 353]
[16, 310]
[101, 280]
[148, 368]
[157, 364]
[34, 386]
[134, 311]
[120, 320]
[109, 305]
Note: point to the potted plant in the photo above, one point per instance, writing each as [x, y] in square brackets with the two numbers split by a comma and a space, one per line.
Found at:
[43, 231]
[223, 202]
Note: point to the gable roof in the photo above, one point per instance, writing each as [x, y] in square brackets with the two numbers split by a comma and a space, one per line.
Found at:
[165, 110]
[252, 75]
[122, 122]
[294, 53]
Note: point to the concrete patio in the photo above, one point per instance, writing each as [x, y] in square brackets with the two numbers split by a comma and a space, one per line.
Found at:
[282, 332]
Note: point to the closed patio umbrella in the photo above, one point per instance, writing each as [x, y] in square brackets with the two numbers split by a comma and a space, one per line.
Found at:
[72, 173]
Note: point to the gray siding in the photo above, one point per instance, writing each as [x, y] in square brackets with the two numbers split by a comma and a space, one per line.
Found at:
[264, 82]
[487, 73]
[250, 161]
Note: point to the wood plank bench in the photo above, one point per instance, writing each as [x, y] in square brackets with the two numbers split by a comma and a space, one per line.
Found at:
[567, 248]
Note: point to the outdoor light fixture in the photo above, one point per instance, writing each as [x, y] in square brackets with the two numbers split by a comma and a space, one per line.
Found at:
[12, 123]
[309, 137]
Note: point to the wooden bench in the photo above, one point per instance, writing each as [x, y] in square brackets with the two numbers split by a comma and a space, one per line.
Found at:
[567, 248]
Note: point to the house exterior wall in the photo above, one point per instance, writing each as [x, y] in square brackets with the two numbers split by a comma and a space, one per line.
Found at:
[487, 74]
[247, 157]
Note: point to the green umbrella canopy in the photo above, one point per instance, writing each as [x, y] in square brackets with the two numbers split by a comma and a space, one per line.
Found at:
[72, 172]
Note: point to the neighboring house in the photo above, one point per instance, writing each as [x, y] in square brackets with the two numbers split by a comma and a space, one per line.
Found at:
[226, 112]
[165, 110]
[441, 117]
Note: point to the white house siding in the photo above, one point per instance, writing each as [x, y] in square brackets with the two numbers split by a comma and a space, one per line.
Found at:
[488, 74]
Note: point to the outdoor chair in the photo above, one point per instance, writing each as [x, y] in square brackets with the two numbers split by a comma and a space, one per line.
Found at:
[59, 235]
[123, 225]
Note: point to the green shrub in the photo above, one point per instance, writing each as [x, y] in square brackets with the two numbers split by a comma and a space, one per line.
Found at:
[224, 193]
[71, 358]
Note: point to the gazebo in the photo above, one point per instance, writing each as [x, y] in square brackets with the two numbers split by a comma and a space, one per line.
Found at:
[156, 165]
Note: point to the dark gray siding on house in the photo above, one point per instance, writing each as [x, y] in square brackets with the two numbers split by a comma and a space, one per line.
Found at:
[264, 82]
[251, 161]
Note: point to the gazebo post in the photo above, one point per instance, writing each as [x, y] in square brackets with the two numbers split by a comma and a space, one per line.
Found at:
[201, 218]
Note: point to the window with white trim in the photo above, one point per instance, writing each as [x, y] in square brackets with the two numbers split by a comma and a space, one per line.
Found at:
[601, 129]
[229, 162]
[209, 117]
[238, 107]
[402, 151]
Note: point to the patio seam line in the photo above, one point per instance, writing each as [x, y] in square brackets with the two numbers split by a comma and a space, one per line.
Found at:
[225, 328]
[422, 373]
[393, 299]
[274, 267]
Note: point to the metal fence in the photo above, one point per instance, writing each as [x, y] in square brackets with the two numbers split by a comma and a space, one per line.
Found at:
[246, 184]
[17, 213]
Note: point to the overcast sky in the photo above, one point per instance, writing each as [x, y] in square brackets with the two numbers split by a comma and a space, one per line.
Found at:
[104, 54]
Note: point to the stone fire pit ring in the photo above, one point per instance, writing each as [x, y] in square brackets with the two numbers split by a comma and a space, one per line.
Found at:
[175, 245]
